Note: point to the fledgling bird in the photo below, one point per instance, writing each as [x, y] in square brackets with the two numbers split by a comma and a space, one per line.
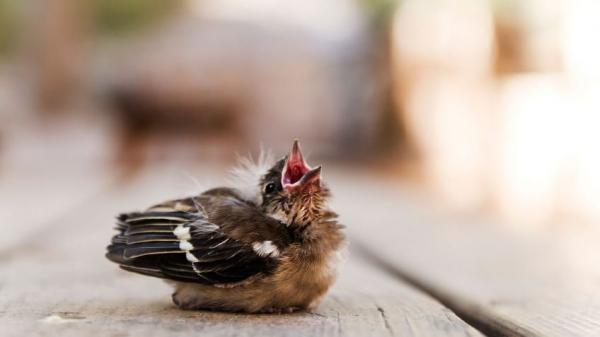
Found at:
[274, 249]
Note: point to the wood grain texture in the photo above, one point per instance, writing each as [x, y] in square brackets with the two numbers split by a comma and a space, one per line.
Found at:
[59, 284]
[507, 282]
[47, 169]
[34, 196]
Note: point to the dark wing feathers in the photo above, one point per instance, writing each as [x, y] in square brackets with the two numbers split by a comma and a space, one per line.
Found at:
[191, 240]
[151, 248]
[142, 270]
[151, 237]
[153, 216]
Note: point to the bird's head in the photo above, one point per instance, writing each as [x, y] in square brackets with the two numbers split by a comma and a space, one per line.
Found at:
[293, 192]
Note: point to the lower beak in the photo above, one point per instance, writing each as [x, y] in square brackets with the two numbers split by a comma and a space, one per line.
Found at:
[311, 176]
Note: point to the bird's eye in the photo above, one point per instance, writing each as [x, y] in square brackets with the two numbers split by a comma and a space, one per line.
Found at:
[270, 188]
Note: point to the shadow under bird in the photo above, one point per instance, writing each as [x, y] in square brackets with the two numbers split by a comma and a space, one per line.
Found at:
[271, 246]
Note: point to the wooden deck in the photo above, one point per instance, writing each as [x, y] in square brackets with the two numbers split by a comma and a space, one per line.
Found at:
[410, 272]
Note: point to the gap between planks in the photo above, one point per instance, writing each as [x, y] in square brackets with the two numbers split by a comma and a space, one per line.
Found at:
[65, 279]
[505, 282]
[472, 313]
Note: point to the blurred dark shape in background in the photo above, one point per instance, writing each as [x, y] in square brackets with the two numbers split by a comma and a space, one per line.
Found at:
[488, 105]
[258, 82]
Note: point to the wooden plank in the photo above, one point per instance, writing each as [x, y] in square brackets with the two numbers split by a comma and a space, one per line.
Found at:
[33, 196]
[504, 281]
[59, 284]
[46, 169]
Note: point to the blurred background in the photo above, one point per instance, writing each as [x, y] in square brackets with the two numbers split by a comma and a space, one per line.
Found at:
[484, 106]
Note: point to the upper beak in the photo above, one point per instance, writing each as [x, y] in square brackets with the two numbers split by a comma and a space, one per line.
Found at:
[296, 172]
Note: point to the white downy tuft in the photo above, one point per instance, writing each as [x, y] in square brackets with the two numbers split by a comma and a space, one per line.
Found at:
[265, 248]
[246, 175]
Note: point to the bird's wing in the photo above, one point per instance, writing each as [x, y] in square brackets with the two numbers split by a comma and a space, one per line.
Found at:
[214, 239]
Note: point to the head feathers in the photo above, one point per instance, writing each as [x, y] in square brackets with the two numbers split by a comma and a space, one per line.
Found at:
[246, 175]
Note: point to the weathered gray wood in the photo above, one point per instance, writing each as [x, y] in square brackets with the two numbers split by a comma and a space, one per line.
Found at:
[59, 284]
[36, 194]
[504, 281]
[46, 169]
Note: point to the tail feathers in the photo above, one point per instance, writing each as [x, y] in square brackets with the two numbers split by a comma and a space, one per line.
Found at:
[117, 254]
[181, 246]
[144, 238]
[144, 271]
[145, 249]
[156, 216]
[137, 238]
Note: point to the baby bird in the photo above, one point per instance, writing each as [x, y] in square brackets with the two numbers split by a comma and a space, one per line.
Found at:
[274, 250]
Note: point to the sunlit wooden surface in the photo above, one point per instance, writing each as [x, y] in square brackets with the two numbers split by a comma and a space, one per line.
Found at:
[56, 281]
[502, 281]
[412, 270]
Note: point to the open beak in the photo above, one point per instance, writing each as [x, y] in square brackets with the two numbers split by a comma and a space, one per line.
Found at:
[296, 172]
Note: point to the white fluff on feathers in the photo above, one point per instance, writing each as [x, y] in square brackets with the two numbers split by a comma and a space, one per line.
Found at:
[246, 175]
